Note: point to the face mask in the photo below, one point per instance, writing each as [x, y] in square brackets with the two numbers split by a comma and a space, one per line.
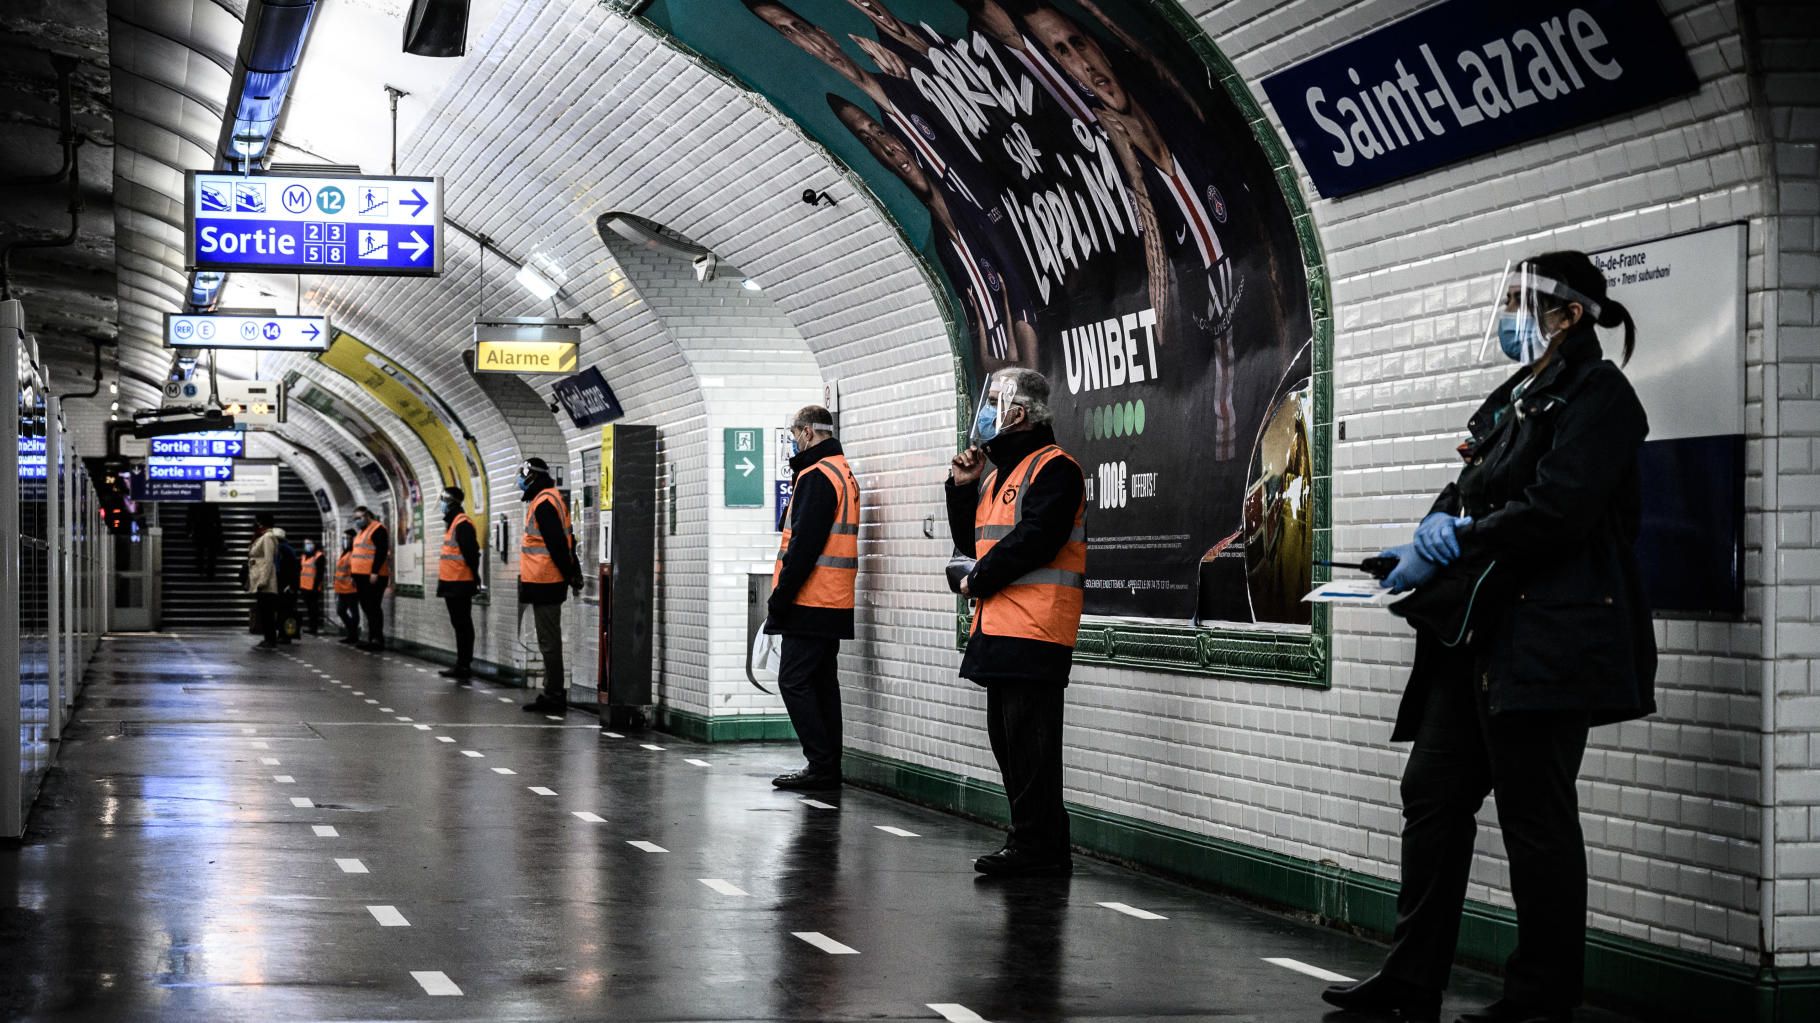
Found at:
[985, 424]
[1518, 334]
[308, 547]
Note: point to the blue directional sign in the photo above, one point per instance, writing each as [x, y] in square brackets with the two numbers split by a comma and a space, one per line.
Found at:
[193, 469]
[246, 328]
[204, 444]
[353, 225]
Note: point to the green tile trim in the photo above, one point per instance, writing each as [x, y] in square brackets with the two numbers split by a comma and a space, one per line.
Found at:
[503, 674]
[725, 727]
[1659, 983]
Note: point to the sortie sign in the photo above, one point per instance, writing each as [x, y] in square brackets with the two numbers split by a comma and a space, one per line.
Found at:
[1463, 78]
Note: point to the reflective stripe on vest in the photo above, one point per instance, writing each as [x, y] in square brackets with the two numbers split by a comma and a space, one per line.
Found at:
[454, 568]
[366, 551]
[310, 572]
[344, 573]
[1045, 603]
[534, 562]
[834, 578]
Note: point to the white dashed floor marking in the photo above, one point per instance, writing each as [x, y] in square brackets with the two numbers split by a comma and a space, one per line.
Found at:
[1312, 971]
[421, 728]
[954, 1012]
[590, 816]
[825, 943]
[472, 753]
[388, 916]
[723, 887]
[899, 832]
[540, 790]
[445, 738]
[613, 735]
[697, 763]
[435, 982]
[302, 802]
[284, 779]
[650, 847]
[650, 746]
[350, 866]
[269, 761]
[1141, 914]
[818, 804]
[503, 770]
[325, 831]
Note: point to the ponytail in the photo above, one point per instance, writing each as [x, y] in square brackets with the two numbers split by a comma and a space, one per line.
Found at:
[1612, 314]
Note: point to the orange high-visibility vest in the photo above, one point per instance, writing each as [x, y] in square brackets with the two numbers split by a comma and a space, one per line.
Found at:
[366, 551]
[454, 567]
[1044, 604]
[534, 562]
[344, 573]
[831, 583]
[310, 574]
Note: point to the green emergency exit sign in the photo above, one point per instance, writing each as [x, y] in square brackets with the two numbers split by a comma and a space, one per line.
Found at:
[744, 465]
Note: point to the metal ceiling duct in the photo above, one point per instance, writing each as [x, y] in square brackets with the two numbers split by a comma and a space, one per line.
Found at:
[270, 48]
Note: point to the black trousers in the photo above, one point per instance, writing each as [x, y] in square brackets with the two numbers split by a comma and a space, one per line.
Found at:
[347, 608]
[1024, 722]
[372, 606]
[265, 615]
[461, 617]
[312, 605]
[808, 678]
[1530, 761]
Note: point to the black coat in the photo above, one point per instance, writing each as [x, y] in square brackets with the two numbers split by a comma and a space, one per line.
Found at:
[1551, 482]
[1049, 506]
[813, 505]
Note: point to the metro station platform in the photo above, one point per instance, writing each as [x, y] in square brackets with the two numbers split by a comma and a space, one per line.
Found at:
[325, 834]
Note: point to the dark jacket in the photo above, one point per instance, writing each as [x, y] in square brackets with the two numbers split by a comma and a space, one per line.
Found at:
[290, 569]
[813, 505]
[1551, 482]
[470, 553]
[1049, 506]
[556, 541]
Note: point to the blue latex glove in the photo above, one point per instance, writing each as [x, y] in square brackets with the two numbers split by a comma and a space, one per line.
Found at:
[1412, 569]
[1435, 538]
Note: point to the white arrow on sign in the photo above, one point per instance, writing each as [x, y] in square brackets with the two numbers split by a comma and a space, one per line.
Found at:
[745, 467]
[416, 246]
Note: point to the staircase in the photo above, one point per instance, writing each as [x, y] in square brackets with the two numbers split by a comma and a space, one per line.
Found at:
[191, 601]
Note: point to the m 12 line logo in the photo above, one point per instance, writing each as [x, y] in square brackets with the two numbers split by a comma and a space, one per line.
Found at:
[1460, 79]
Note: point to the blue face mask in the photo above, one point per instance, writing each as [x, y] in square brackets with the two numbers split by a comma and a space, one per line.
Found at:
[985, 424]
[1516, 333]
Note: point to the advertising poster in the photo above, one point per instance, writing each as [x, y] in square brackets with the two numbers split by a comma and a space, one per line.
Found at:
[1099, 209]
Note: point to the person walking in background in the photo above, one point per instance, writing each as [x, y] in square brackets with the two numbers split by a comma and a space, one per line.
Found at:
[262, 579]
[812, 588]
[313, 575]
[372, 565]
[202, 526]
[347, 593]
[546, 573]
[290, 572]
[458, 578]
[1025, 526]
[1559, 640]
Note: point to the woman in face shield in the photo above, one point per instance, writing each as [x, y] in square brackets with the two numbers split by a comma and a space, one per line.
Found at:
[1557, 639]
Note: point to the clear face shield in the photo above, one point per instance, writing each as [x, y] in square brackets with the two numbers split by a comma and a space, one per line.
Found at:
[996, 400]
[817, 432]
[1525, 319]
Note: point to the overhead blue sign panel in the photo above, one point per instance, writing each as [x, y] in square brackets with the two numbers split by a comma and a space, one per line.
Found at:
[1464, 77]
[246, 329]
[192, 469]
[587, 398]
[167, 490]
[208, 444]
[354, 225]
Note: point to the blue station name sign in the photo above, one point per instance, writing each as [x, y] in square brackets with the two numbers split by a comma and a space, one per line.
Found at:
[1464, 77]
[351, 225]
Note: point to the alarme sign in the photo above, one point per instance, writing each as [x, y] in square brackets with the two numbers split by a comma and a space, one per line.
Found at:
[1465, 77]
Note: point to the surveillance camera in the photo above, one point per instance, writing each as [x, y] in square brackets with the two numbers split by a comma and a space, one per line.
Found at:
[815, 197]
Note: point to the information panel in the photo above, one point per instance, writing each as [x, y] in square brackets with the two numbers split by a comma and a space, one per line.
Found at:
[247, 329]
[206, 444]
[355, 225]
[193, 469]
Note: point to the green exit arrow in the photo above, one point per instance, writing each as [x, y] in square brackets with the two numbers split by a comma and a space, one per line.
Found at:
[741, 460]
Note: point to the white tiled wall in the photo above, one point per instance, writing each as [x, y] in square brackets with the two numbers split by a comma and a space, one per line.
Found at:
[566, 112]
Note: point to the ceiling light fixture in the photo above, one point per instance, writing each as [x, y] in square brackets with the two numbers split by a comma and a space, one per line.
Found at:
[749, 284]
[535, 283]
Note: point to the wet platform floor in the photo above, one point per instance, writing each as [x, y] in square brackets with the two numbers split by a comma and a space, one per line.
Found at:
[325, 834]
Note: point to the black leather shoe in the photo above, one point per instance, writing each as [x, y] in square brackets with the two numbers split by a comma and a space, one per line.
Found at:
[545, 705]
[349, 641]
[807, 781]
[1387, 997]
[1504, 1010]
[1020, 863]
[457, 674]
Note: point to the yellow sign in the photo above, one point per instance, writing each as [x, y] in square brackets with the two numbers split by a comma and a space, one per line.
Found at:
[606, 468]
[526, 356]
[401, 391]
